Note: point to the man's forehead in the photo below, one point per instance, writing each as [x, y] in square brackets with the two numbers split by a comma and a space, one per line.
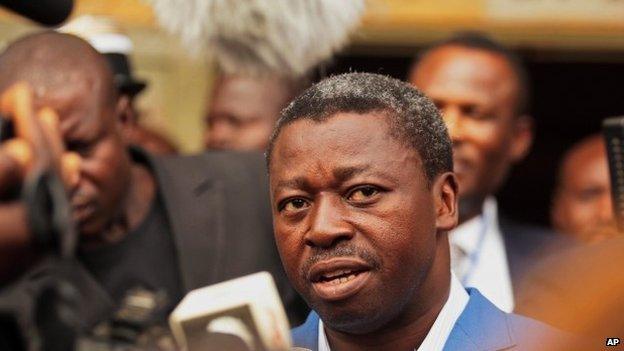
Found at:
[78, 126]
[342, 132]
[246, 98]
[585, 160]
[456, 67]
[341, 144]
[77, 107]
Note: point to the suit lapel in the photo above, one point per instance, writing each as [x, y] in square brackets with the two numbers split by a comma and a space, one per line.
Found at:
[194, 204]
[481, 326]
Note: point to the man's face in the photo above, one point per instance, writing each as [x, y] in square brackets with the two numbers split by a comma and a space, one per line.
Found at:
[89, 128]
[242, 112]
[477, 94]
[582, 205]
[356, 223]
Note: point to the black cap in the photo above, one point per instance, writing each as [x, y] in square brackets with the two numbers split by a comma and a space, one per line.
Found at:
[122, 71]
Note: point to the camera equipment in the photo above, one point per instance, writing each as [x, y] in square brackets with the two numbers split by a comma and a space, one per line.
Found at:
[613, 132]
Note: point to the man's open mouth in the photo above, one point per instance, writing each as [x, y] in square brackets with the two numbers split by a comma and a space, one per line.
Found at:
[339, 278]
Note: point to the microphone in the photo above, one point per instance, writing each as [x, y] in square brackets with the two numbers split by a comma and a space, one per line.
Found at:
[46, 12]
[243, 314]
[256, 37]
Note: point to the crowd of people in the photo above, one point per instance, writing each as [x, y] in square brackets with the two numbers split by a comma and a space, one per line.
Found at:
[370, 200]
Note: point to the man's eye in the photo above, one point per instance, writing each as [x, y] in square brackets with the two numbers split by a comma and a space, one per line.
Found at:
[587, 195]
[294, 205]
[79, 147]
[363, 193]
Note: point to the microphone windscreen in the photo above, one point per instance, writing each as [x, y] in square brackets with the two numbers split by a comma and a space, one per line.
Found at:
[260, 37]
[46, 12]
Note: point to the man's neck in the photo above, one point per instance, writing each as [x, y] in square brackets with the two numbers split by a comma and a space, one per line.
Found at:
[133, 209]
[141, 194]
[405, 337]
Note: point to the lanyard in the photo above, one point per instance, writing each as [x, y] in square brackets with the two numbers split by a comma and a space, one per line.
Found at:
[473, 258]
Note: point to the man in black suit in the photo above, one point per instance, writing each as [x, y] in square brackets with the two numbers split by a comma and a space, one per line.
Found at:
[166, 225]
[482, 90]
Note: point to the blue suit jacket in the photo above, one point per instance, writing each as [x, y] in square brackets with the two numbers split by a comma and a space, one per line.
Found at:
[482, 326]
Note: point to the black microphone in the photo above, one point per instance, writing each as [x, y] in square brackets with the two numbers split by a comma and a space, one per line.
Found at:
[46, 12]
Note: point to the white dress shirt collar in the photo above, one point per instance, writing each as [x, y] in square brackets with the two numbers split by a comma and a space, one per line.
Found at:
[441, 328]
[466, 234]
[486, 264]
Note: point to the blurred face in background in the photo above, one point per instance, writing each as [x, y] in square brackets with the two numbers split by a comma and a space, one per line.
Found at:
[242, 112]
[477, 93]
[582, 204]
[91, 127]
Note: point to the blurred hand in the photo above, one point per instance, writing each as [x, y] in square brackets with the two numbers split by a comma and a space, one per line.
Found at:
[601, 233]
[38, 142]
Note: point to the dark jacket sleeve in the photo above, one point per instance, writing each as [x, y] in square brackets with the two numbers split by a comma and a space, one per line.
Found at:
[219, 210]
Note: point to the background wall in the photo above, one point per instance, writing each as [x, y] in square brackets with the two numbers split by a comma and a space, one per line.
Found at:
[574, 50]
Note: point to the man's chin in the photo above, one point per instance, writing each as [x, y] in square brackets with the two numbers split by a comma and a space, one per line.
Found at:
[90, 230]
[353, 320]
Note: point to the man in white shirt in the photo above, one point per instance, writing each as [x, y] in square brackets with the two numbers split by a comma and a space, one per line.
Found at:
[482, 91]
[363, 195]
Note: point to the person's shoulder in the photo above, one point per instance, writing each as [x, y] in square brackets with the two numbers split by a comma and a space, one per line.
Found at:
[531, 334]
[578, 289]
[525, 328]
[511, 227]
[232, 169]
[484, 325]
[216, 160]
[530, 242]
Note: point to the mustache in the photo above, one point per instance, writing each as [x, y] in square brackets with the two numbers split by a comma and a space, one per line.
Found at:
[341, 250]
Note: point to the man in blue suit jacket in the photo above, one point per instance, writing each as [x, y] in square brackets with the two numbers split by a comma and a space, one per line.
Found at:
[363, 195]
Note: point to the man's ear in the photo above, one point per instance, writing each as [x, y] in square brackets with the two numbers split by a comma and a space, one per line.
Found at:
[126, 118]
[522, 137]
[445, 191]
[124, 111]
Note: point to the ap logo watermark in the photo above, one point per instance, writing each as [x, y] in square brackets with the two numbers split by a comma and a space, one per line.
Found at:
[613, 341]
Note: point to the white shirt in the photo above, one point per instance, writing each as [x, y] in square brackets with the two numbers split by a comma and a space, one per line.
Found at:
[489, 269]
[441, 328]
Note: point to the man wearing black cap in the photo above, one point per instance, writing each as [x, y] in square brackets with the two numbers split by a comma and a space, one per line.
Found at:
[108, 39]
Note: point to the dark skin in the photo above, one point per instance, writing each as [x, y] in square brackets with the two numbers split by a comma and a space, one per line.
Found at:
[347, 195]
[109, 194]
[477, 93]
[138, 135]
[582, 204]
[242, 112]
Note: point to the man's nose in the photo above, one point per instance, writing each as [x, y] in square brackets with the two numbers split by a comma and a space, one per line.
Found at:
[329, 225]
[218, 136]
[453, 120]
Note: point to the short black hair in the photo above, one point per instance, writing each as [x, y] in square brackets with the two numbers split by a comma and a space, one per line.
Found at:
[412, 117]
[479, 41]
[47, 60]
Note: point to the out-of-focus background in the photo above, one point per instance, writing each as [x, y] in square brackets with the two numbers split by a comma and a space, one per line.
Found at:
[574, 50]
